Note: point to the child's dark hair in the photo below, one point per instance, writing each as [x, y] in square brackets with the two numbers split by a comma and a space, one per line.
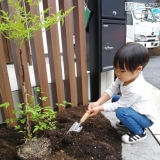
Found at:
[130, 56]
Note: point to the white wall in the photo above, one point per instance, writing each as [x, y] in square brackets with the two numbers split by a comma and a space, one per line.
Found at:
[106, 79]
[44, 32]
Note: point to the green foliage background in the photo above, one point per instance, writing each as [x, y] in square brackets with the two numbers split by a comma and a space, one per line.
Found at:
[21, 25]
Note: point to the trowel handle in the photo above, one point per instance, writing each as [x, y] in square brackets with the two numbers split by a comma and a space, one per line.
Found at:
[85, 116]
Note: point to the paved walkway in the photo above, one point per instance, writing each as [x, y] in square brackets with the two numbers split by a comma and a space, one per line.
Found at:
[152, 71]
[155, 129]
[152, 75]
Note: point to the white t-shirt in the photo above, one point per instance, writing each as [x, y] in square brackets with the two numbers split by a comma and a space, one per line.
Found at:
[135, 95]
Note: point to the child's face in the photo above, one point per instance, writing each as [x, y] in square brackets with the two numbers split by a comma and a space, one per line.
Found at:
[127, 76]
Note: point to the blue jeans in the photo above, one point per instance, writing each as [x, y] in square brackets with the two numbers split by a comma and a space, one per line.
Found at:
[133, 120]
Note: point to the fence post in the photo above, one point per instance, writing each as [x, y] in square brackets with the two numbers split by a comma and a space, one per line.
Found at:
[80, 50]
[54, 57]
[68, 54]
[5, 89]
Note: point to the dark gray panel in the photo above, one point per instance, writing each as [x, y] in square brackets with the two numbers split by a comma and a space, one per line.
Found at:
[114, 9]
[113, 37]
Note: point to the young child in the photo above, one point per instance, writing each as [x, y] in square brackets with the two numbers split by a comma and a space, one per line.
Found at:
[134, 107]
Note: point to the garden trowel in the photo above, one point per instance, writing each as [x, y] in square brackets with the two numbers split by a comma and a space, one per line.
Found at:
[76, 127]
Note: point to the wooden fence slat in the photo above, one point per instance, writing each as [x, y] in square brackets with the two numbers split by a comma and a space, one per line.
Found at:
[5, 89]
[54, 57]
[18, 67]
[39, 60]
[68, 54]
[80, 50]
[6, 44]
[7, 50]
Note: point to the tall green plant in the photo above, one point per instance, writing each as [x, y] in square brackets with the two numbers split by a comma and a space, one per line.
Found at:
[20, 26]
[40, 118]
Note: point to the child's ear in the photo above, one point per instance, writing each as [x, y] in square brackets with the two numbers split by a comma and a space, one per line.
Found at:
[139, 68]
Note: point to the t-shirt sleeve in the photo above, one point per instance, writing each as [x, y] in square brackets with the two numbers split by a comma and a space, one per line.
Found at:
[114, 88]
[126, 100]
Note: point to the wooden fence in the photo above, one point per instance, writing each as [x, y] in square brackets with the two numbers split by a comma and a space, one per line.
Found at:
[72, 89]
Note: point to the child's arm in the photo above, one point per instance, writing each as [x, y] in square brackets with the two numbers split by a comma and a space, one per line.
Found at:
[105, 97]
[95, 107]
[113, 89]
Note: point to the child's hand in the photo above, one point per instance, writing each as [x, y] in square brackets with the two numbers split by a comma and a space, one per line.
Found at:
[94, 109]
[92, 105]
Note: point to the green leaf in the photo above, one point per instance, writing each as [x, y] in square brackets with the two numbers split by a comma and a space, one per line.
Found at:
[32, 99]
[61, 104]
[36, 128]
[23, 120]
[6, 105]
[65, 102]
[37, 89]
[14, 111]
[7, 121]
[20, 105]
[17, 127]
[31, 111]
[12, 120]
[43, 98]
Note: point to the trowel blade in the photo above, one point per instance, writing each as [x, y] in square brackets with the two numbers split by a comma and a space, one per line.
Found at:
[75, 127]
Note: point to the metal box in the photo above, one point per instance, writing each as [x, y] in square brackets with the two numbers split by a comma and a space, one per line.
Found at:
[106, 34]
[113, 34]
[113, 9]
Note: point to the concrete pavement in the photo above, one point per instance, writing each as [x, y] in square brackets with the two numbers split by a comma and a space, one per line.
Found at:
[152, 71]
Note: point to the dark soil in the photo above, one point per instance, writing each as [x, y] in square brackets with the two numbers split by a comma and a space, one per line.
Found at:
[98, 140]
